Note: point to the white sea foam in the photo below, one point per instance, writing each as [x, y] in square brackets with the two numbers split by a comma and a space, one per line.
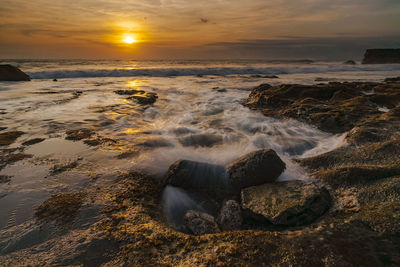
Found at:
[218, 71]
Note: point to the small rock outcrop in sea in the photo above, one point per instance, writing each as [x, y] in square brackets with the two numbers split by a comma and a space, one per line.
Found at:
[144, 98]
[381, 56]
[256, 168]
[392, 80]
[264, 76]
[350, 62]
[200, 223]
[11, 73]
[290, 203]
[230, 216]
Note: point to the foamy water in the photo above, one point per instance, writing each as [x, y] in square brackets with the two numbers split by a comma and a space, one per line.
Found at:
[198, 116]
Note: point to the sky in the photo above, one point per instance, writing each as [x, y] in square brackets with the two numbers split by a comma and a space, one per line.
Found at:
[206, 29]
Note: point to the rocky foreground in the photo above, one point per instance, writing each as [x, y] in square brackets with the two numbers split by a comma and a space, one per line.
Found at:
[362, 180]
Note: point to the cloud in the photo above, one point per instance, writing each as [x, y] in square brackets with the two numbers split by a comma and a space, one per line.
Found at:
[169, 23]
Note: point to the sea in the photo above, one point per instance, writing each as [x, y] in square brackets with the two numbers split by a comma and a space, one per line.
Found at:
[199, 115]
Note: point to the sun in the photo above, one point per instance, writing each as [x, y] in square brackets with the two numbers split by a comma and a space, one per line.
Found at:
[129, 40]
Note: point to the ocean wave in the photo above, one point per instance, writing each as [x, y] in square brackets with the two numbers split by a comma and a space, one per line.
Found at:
[217, 71]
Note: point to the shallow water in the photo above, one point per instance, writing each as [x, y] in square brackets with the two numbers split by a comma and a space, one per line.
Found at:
[196, 118]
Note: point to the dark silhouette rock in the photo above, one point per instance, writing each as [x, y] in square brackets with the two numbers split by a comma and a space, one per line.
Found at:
[11, 73]
[200, 223]
[259, 167]
[392, 80]
[230, 217]
[350, 62]
[290, 203]
[382, 56]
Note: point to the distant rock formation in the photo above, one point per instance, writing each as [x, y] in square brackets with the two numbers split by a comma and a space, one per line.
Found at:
[350, 62]
[11, 73]
[382, 56]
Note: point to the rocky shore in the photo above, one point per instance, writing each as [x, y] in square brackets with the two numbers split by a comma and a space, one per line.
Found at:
[357, 188]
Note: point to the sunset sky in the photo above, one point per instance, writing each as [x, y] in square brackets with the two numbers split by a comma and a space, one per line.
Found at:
[165, 29]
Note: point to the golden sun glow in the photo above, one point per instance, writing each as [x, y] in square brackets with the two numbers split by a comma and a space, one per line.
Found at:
[129, 40]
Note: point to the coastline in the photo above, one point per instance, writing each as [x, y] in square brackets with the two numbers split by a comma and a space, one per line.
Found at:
[363, 177]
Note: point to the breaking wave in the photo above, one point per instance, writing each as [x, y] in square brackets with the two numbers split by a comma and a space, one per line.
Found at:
[217, 71]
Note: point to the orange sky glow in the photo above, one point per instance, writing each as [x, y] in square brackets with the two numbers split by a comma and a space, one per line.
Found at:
[186, 29]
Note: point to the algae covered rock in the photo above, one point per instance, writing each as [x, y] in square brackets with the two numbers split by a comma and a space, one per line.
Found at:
[256, 168]
[7, 138]
[79, 134]
[200, 223]
[290, 203]
[11, 73]
[230, 217]
[144, 98]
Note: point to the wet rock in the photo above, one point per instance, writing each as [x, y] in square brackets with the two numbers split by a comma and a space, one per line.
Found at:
[9, 158]
[11, 73]
[290, 203]
[381, 56]
[59, 168]
[155, 143]
[8, 138]
[128, 92]
[200, 223]
[350, 62]
[5, 179]
[199, 177]
[128, 154]
[259, 167]
[33, 141]
[182, 130]
[144, 98]
[93, 142]
[230, 217]
[201, 140]
[79, 134]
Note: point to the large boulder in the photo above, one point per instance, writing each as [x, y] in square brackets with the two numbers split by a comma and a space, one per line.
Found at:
[230, 217]
[291, 203]
[256, 168]
[381, 56]
[199, 177]
[11, 73]
[200, 223]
